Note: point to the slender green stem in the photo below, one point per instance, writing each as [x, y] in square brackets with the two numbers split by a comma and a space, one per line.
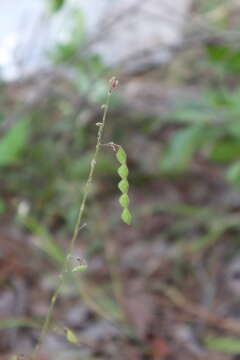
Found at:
[57, 291]
[90, 176]
[48, 318]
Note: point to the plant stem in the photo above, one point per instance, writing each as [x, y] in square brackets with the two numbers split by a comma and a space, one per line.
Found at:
[86, 191]
[90, 176]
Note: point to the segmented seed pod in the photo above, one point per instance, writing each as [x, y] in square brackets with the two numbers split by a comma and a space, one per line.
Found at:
[123, 171]
[126, 216]
[123, 185]
[121, 155]
[124, 200]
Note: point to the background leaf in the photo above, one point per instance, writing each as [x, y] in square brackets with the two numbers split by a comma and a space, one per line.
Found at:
[182, 147]
[13, 142]
[225, 344]
[56, 5]
[233, 174]
[71, 337]
[225, 150]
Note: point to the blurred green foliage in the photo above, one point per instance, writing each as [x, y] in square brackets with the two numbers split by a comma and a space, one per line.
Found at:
[75, 38]
[13, 142]
[56, 5]
[50, 149]
[224, 57]
[211, 124]
[46, 157]
[226, 345]
[182, 147]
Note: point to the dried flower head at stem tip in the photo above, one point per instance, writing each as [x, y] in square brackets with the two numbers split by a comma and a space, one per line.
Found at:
[113, 83]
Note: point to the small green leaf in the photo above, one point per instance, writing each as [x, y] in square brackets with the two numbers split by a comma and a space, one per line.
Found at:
[79, 268]
[225, 344]
[70, 336]
[123, 171]
[14, 357]
[123, 186]
[56, 5]
[124, 200]
[126, 216]
[233, 174]
[121, 155]
[13, 142]
[2, 207]
[226, 150]
[218, 53]
[182, 147]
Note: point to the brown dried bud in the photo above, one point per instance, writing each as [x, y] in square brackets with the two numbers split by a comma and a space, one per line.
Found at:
[114, 82]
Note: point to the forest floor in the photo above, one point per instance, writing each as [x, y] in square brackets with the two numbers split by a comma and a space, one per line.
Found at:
[159, 289]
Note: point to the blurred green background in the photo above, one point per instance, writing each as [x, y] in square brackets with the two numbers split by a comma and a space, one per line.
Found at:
[170, 281]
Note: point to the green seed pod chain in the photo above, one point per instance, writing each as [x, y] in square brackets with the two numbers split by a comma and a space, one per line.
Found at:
[123, 185]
